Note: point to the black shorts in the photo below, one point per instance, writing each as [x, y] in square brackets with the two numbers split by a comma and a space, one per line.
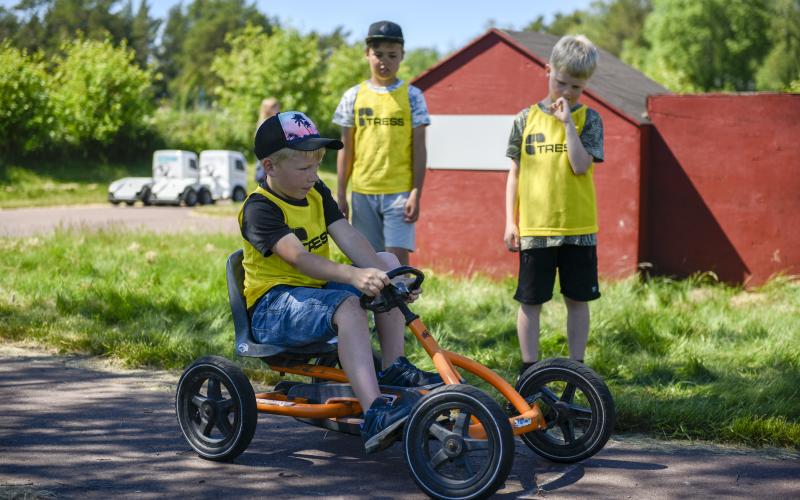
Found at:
[577, 273]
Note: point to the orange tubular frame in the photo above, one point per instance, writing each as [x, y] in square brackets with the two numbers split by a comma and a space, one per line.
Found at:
[529, 419]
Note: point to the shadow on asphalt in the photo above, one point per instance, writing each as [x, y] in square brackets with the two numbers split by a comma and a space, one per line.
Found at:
[75, 430]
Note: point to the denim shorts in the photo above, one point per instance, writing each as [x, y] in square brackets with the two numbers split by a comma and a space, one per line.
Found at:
[292, 316]
[381, 218]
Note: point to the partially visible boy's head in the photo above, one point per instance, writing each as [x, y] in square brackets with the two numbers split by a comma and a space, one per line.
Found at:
[291, 130]
[384, 51]
[574, 55]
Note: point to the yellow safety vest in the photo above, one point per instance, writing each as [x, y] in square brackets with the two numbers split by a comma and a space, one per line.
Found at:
[382, 162]
[308, 223]
[553, 201]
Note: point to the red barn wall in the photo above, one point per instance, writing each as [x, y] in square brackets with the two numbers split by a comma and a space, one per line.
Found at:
[724, 186]
[462, 215]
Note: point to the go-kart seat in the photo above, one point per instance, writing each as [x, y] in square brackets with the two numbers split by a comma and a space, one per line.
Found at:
[245, 342]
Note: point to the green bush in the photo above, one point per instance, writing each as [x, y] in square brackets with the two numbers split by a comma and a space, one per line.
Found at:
[201, 129]
[283, 64]
[25, 118]
[100, 97]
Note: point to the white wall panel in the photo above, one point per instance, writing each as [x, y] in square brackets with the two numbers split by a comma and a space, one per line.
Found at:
[469, 142]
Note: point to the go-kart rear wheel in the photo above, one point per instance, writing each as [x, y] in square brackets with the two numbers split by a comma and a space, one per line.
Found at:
[577, 407]
[443, 458]
[216, 408]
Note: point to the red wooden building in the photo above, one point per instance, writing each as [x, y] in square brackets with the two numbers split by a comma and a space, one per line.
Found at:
[724, 185]
[473, 96]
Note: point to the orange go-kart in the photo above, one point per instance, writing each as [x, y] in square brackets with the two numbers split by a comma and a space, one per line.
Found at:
[458, 441]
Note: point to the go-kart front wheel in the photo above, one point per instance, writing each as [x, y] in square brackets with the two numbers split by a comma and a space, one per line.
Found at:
[576, 405]
[216, 408]
[445, 459]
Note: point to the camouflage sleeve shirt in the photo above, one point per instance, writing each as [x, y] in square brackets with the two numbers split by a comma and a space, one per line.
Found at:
[592, 140]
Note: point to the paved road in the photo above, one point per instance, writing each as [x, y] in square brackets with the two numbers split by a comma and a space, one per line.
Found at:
[73, 427]
[42, 220]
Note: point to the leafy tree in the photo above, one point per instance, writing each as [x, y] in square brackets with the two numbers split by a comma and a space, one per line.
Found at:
[142, 37]
[416, 61]
[24, 115]
[782, 64]
[99, 95]
[196, 37]
[706, 45]
[346, 67]
[284, 64]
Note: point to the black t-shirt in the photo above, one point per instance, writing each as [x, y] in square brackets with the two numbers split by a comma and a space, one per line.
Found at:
[264, 223]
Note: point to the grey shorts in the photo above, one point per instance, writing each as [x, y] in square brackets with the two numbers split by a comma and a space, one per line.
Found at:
[380, 217]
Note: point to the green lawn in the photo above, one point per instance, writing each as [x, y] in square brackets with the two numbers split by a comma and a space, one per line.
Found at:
[75, 182]
[684, 359]
[62, 183]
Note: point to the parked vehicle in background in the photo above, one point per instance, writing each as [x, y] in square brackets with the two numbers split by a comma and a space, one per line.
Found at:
[129, 190]
[176, 178]
[223, 175]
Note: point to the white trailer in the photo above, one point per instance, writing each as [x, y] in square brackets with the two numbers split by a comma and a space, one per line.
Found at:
[223, 175]
[175, 178]
[129, 189]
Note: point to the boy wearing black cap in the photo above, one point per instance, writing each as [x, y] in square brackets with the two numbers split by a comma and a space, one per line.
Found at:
[383, 124]
[296, 295]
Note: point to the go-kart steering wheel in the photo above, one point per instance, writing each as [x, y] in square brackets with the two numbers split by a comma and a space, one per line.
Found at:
[393, 294]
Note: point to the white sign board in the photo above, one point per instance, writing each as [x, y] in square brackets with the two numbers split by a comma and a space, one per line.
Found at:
[469, 142]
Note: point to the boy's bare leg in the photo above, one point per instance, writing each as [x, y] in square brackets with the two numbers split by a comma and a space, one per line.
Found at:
[528, 331]
[355, 351]
[390, 325]
[400, 253]
[577, 327]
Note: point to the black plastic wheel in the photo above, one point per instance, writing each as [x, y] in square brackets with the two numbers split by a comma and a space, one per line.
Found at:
[204, 198]
[577, 406]
[216, 408]
[189, 197]
[443, 459]
[239, 194]
[145, 197]
[129, 203]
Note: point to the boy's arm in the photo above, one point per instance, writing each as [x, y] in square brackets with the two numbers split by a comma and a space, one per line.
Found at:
[511, 234]
[579, 159]
[419, 158]
[344, 168]
[368, 280]
[355, 245]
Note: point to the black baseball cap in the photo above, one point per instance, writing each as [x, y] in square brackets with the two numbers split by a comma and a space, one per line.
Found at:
[293, 130]
[385, 30]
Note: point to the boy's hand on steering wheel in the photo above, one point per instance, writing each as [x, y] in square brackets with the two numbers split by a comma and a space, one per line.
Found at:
[369, 280]
[413, 294]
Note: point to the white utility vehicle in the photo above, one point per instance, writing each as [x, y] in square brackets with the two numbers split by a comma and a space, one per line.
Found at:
[129, 189]
[176, 178]
[223, 175]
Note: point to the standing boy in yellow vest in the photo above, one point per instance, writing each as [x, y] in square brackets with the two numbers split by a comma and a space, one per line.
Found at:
[297, 296]
[551, 213]
[383, 124]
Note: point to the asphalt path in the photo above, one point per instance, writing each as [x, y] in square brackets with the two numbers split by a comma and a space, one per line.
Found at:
[78, 427]
[160, 219]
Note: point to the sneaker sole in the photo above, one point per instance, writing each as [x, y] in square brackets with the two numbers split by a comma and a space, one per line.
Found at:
[385, 438]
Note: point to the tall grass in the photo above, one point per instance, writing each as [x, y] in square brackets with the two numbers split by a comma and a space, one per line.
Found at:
[691, 358]
[55, 182]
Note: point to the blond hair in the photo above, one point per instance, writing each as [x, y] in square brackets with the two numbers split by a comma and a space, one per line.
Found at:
[284, 154]
[575, 55]
[269, 107]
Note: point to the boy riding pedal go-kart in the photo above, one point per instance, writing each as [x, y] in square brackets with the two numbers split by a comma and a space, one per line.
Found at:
[291, 305]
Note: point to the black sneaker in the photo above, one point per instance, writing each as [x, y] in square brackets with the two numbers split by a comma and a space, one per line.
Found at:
[402, 373]
[383, 421]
